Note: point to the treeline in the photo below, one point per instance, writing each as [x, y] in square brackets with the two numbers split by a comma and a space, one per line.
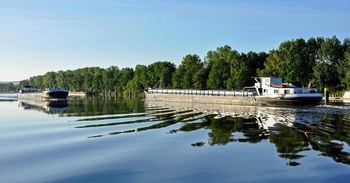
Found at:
[324, 61]
[7, 87]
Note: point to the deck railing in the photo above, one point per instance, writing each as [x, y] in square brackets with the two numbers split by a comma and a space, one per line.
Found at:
[202, 92]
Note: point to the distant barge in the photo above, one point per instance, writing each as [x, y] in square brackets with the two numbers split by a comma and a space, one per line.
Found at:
[52, 94]
[268, 91]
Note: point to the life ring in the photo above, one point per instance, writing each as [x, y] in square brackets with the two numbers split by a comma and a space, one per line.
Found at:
[279, 86]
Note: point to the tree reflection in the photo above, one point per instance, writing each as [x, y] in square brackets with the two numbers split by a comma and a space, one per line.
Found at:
[94, 106]
[221, 131]
[292, 131]
[330, 135]
[289, 144]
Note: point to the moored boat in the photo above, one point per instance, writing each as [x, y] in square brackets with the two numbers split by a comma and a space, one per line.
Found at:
[51, 94]
[272, 91]
[267, 91]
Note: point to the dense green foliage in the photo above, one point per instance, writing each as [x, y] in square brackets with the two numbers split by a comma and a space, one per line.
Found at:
[324, 61]
[7, 87]
[190, 73]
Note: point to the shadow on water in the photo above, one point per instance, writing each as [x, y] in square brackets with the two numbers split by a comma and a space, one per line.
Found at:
[294, 131]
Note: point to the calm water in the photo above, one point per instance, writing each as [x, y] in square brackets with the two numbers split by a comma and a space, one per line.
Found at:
[98, 140]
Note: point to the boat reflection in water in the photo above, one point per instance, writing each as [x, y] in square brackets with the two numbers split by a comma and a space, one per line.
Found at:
[8, 97]
[292, 130]
[45, 106]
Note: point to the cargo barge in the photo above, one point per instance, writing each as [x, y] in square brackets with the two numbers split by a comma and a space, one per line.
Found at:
[267, 91]
[51, 94]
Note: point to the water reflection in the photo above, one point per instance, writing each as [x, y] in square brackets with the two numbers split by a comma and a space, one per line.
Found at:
[95, 106]
[294, 131]
[50, 107]
[8, 97]
[88, 106]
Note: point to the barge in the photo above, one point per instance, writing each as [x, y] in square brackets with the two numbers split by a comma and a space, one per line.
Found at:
[51, 94]
[267, 91]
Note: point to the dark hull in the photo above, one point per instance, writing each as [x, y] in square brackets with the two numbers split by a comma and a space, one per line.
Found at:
[56, 95]
[290, 102]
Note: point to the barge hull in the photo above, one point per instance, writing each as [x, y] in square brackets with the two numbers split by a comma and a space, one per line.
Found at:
[41, 96]
[207, 99]
[289, 102]
[231, 100]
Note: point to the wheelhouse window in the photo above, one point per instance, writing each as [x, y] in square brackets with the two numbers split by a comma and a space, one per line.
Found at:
[286, 91]
[275, 91]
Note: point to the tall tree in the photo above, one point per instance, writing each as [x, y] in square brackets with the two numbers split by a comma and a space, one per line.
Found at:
[251, 64]
[126, 74]
[141, 72]
[161, 71]
[116, 77]
[87, 72]
[221, 65]
[49, 80]
[97, 84]
[76, 79]
[108, 79]
[200, 78]
[69, 75]
[61, 79]
[329, 55]
[292, 61]
[140, 80]
[273, 65]
[23, 83]
[184, 76]
[344, 71]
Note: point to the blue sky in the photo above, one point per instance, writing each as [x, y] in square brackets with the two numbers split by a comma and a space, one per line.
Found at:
[37, 36]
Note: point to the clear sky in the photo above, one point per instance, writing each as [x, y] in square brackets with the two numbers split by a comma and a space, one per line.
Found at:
[37, 36]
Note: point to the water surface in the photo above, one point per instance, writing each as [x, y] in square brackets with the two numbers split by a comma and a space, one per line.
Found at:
[109, 140]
